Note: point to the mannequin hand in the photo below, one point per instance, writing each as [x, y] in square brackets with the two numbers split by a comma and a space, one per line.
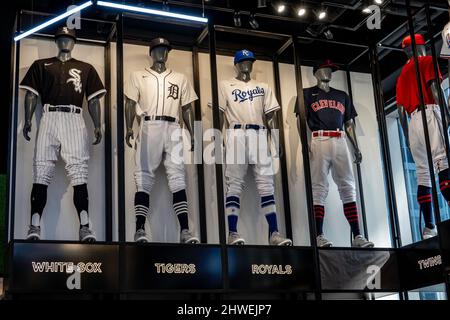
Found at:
[26, 130]
[358, 157]
[130, 135]
[98, 136]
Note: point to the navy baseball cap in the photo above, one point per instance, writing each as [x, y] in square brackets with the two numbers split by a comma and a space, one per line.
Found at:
[65, 32]
[160, 42]
[243, 55]
[327, 63]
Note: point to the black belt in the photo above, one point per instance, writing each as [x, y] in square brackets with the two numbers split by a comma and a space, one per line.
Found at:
[249, 126]
[160, 118]
[64, 109]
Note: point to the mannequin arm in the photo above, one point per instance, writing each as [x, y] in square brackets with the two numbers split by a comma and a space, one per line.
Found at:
[351, 134]
[96, 115]
[272, 124]
[188, 118]
[130, 114]
[403, 117]
[30, 107]
[308, 132]
[435, 87]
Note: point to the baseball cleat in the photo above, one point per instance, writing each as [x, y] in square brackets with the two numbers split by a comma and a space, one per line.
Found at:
[276, 239]
[235, 239]
[187, 237]
[361, 242]
[87, 235]
[428, 233]
[34, 233]
[323, 242]
[141, 236]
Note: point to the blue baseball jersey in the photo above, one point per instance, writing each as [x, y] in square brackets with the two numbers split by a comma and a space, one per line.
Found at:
[327, 110]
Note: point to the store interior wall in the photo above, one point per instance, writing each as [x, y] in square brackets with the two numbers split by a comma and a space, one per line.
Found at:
[60, 219]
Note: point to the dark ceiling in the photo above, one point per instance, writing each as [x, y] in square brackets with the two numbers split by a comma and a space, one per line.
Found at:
[345, 23]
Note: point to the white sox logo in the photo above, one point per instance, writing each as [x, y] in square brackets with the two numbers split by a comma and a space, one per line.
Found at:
[76, 79]
[251, 94]
[173, 91]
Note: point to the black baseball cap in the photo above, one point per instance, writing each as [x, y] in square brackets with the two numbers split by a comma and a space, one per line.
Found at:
[65, 32]
[160, 42]
[327, 63]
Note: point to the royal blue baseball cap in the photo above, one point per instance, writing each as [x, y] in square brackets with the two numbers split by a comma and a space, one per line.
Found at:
[243, 55]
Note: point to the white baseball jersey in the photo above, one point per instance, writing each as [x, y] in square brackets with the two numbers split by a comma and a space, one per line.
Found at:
[246, 102]
[159, 94]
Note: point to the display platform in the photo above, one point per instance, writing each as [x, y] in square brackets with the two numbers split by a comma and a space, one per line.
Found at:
[49, 267]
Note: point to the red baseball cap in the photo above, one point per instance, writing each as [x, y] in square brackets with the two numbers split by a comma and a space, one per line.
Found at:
[417, 37]
[327, 63]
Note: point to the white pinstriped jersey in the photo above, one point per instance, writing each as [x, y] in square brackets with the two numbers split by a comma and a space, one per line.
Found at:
[159, 94]
[246, 102]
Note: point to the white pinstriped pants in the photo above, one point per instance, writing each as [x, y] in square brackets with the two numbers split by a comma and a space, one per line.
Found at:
[61, 133]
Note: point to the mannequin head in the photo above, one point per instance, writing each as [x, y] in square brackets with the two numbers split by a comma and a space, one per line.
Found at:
[323, 74]
[420, 45]
[420, 50]
[245, 66]
[159, 54]
[65, 44]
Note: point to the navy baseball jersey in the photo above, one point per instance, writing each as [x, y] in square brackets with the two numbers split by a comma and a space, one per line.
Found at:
[63, 83]
[327, 110]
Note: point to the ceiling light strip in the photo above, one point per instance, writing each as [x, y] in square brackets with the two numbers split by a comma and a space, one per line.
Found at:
[54, 20]
[152, 11]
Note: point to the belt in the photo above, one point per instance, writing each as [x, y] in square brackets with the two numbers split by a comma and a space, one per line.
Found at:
[249, 126]
[161, 118]
[64, 109]
[333, 134]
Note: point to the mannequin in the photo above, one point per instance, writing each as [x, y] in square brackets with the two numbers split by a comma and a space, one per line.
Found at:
[62, 83]
[330, 112]
[408, 101]
[65, 46]
[161, 93]
[159, 56]
[237, 96]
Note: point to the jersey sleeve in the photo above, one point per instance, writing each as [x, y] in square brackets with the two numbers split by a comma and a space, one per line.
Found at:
[270, 101]
[94, 85]
[399, 91]
[33, 79]
[223, 103]
[132, 88]
[188, 94]
[427, 69]
[350, 111]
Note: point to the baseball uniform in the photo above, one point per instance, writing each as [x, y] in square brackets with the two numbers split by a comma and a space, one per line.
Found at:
[160, 97]
[245, 104]
[327, 112]
[408, 97]
[62, 86]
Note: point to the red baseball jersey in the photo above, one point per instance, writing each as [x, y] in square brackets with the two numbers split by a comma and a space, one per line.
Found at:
[407, 89]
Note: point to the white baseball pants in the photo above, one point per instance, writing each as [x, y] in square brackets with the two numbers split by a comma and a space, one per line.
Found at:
[64, 133]
[246, 147]
[331, 154]
[157, 140]
[418, 146]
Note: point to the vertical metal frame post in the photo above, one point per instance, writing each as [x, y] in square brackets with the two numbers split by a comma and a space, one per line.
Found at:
[307, 168]
[423, 112]
[358, 166]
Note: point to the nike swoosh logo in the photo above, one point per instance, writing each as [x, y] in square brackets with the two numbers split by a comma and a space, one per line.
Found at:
[48, 64]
